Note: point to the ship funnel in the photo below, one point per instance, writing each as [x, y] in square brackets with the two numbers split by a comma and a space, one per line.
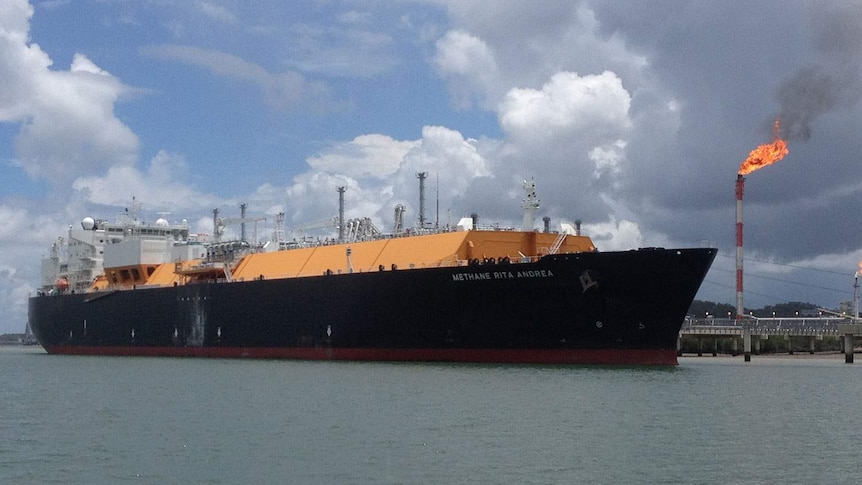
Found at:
[475, 218]
[577, 227]
[547, 221]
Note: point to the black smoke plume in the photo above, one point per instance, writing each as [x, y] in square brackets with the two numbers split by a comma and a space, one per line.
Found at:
[833, 79]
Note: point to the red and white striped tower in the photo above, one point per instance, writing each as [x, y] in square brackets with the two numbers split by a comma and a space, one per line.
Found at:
[740, 188]
[763, 155]
[740, 308]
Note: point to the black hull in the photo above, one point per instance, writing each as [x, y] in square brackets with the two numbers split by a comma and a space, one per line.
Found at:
[606, 308]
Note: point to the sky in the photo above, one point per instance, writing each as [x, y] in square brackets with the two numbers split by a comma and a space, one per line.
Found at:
[632, 117]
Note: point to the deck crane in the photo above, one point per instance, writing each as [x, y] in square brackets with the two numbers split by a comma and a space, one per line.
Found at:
[219, 223]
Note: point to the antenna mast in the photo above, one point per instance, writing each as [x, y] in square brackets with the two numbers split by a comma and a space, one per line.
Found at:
[341, 189]
[422, 176]
[437, 218]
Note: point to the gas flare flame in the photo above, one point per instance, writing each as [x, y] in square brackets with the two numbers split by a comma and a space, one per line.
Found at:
[765, 154]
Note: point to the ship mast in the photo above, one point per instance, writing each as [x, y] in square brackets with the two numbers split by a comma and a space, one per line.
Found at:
[279, 229]
[242, 208]
[437, 217]
[422, 176]
[216, 231]
[856, 295]
[341, 189]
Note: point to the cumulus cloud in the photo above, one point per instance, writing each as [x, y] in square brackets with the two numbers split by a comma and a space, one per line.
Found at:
[608, 158]
[555, 77]
[447, 152]
[15, 20]
[366, 155]
[451, 161]
[574, 127]
[163, 184]
[523, 44]
[14, 291]
[468, 63]
[613, 235]
[467, 175]
[313, 201]
[593, 106]
[21, 228]
[67, 121]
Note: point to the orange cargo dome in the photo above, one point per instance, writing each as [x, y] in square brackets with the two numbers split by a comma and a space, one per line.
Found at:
[445, 249]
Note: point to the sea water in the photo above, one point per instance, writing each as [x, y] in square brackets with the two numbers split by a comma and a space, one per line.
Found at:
[68, 419]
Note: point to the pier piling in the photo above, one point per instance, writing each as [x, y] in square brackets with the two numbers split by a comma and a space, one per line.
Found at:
[849, 331]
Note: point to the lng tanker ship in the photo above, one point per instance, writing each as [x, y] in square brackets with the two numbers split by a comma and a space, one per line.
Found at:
[468, 294]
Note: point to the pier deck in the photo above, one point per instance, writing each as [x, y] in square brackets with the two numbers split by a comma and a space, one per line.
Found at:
[757, 329]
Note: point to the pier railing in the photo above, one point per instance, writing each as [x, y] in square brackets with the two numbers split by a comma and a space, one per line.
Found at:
[799, 326]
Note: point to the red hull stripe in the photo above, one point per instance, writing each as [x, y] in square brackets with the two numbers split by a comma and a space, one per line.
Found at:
[515, 356]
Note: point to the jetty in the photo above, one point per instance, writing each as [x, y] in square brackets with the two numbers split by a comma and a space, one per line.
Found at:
[752, 331]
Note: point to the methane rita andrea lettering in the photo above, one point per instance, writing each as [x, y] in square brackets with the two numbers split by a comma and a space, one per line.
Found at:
[501, 275]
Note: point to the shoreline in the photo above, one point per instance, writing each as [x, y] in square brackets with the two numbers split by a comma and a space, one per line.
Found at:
[775, 355]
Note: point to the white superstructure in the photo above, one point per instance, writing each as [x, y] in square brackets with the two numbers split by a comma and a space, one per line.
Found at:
[76, 261]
